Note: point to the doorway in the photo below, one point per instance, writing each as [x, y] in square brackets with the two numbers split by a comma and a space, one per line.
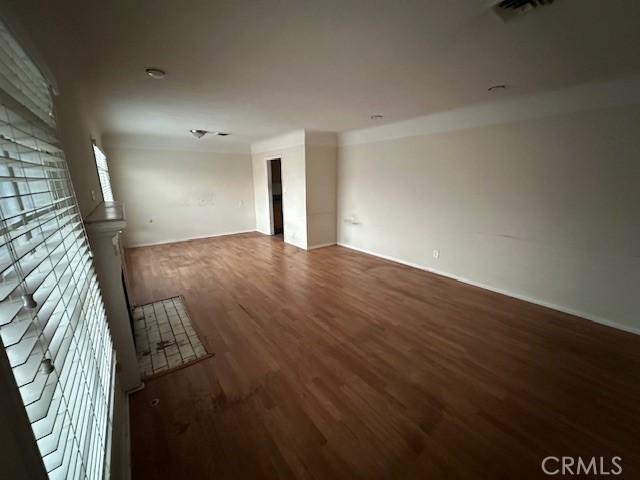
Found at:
[276, 197]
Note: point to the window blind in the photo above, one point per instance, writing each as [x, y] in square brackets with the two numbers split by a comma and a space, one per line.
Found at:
[52, 320]
[103, 174]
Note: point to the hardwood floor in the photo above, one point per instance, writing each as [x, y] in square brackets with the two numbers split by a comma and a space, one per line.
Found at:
[332, 364]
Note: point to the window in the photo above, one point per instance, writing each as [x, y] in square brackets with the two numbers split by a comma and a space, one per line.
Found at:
[53, 327]
[103, 174]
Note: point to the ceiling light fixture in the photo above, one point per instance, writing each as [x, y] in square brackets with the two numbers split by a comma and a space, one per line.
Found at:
[377, 116]
[202, 133]
[496, 88]
[198, 133]
[155, 73]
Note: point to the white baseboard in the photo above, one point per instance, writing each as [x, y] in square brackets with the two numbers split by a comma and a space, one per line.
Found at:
[560, 308]
[178, 240]
[321, 245]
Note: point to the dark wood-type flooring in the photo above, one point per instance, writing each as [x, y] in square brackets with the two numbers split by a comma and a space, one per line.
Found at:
[332, 364]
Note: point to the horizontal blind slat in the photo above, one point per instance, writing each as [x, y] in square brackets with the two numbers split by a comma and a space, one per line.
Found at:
[13, 127]
[12, 231]
[24, 248]
[34, 270]
[35, 212]
[10, 161]
[10, 310]
[11, 144]
[59, 357]
[74, 395]
[46, 333]
[13, 333]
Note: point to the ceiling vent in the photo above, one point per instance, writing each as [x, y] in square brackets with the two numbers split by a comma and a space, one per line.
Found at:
[509, 9]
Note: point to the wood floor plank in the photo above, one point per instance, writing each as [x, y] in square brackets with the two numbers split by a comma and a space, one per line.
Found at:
[334, 364]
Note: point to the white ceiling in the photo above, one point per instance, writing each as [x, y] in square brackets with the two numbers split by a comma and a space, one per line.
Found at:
[260, 68]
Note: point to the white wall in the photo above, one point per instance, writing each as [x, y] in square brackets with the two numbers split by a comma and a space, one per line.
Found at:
[294, 194]
[321, 179]
[544, 208]
[76, 134]
[291, 152]
[171, 196]
[261, 180]
[309, 171]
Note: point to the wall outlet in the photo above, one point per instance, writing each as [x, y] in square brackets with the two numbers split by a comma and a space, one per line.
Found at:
[93, 195]
[436, 253]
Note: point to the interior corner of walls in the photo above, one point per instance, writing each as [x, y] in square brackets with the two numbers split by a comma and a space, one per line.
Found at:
[296, 243]
[321, 138]
[75, 137]
[97, 139]
[321, 245]
[280, 142]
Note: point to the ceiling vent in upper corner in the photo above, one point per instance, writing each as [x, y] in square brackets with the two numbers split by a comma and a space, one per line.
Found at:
[509, 9]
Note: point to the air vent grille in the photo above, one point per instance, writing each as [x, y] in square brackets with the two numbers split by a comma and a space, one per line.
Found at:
[508, 9]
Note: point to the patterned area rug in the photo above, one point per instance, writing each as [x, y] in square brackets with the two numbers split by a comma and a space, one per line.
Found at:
[165, 338]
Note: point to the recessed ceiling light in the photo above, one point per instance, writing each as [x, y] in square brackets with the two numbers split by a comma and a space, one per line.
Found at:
[495, 88]
[198, 133]
[377, 116]
[155, 73]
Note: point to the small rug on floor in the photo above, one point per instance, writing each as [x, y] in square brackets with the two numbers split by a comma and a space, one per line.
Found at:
[165, 338]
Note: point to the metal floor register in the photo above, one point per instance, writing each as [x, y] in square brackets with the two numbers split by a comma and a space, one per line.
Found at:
[165, 338]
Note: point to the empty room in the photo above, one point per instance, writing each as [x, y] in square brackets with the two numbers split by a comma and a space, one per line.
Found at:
[320, 240]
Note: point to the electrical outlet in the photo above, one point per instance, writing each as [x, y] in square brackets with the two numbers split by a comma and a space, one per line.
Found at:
[93, 195]
[436, 253]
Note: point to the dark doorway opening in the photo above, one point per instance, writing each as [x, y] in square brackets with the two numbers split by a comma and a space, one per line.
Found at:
[276, 197]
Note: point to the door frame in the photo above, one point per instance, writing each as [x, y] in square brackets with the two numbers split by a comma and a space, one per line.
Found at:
[270, 193]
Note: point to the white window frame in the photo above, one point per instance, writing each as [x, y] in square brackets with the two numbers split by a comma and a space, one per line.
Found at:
[103, 172]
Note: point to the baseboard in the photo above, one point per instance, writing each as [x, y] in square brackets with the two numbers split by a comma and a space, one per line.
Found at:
[559, 308]
[178, 240]
[321, 245]
[289, 242]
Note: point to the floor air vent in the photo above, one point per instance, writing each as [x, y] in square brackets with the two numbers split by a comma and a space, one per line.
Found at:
[509, 9]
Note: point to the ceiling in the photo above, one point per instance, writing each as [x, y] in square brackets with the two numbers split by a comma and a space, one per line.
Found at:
[261, 68]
